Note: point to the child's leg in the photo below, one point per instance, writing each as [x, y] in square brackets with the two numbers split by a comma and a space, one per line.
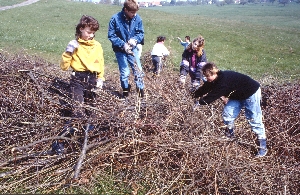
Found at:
[77, 90]
[137, 70]
[230, 112]
[123, 68]
[254, 114]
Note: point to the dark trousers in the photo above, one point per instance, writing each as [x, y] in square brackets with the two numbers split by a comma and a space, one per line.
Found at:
[157, 62]
[195, 76]
[82, 84]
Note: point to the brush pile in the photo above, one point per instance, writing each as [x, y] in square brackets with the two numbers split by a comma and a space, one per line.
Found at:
[157, 145]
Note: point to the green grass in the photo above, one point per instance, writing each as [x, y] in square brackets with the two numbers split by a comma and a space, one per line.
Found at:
[10, 2]
[253, 39]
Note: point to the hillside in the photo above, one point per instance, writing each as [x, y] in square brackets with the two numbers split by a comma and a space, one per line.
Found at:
[155, 146]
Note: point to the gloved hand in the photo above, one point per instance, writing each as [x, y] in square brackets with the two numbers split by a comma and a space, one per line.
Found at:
[201, 64]
[72, 46]
[194, 87]
[185, 63]
[132, 42]
[99, 83]
[127, 48]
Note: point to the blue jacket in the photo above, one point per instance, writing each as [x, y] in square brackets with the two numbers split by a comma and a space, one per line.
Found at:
[121, 30]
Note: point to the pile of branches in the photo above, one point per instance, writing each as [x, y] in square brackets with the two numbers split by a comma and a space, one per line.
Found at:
[155, 145]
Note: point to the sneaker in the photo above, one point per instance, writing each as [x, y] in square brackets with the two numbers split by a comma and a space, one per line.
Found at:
[229, 133]
[141, 93]
[262, 148]
[58, 147]
[126, 92]
[182, 79]
[196, 85]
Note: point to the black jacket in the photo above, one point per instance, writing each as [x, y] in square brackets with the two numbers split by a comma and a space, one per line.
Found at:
[230, 84]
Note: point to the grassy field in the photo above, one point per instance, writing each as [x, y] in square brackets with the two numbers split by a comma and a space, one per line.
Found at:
[258, 40]
[10, 2]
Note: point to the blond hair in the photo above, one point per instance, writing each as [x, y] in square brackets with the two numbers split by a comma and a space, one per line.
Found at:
[201, 42]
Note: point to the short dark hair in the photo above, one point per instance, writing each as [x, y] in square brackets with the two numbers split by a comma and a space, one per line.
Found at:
[210, 69]
[160, 39]
[188, 38]
[84, 22]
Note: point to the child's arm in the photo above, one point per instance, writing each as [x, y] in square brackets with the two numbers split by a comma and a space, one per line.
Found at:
[67, 55]
[65, 63]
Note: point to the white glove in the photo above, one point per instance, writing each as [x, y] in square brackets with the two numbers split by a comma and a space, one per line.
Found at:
[99, 83]
[185, 63]
[201, 64]
[132, 42]
[72, 46]
[127, 48]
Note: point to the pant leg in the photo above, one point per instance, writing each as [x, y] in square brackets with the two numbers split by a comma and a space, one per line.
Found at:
[89, 94]
[160, 65]
[184, 69]
[137, 70]
[231, 111]
[254, 114]
[123, 68]
[77, 91]
[156, 60]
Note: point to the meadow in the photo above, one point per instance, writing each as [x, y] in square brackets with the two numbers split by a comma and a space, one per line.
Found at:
[258, 39]
[10, 2]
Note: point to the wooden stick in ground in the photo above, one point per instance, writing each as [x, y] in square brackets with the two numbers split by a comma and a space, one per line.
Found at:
[82, 155]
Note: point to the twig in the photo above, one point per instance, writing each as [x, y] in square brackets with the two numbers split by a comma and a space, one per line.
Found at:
[82, 155]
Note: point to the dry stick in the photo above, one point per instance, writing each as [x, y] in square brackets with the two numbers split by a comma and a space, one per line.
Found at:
[29, 73]
[39, 141]
[82, 155]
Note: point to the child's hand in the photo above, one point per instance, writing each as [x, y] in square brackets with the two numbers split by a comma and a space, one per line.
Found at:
[99, 83]
[132, 42]
[72, 46]
[224, 100]
[127, 48]
[185, 63]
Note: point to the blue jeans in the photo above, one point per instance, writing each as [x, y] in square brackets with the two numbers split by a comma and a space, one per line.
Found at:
[123, 60]
[252, 111]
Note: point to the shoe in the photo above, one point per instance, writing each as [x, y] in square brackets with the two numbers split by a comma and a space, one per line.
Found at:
[196, 84]
[72, 131]
[262, 148]
[126, 92]
[229, 133]
[58, 147]
[141, 93]
[91, 128]
[182, 79]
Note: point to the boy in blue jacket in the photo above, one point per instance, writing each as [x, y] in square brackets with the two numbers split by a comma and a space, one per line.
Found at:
[237, 91]
[125, 31]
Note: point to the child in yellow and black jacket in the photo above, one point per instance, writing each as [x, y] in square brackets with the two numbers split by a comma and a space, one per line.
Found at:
[85, 56]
